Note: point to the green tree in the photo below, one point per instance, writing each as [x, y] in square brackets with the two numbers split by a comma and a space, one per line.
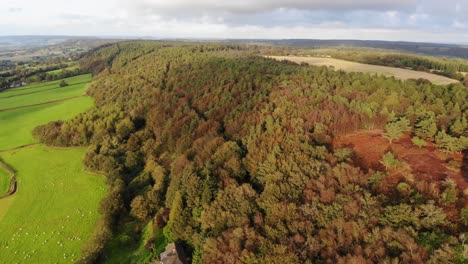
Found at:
[140, 208]
[448, 143]
[176, 224]
[458, 127]
[394, 130]
[389, 161]
[63, 83]
[419, 142]
[426, 127]
[124, 128]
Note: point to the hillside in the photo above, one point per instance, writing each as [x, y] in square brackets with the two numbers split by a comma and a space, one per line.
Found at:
[243, 159]
[48, 202]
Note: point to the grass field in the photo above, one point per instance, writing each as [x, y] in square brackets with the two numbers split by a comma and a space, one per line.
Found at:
[17, 124]
[349, 66]
[43, 86]
[45, 95]
[54, 209]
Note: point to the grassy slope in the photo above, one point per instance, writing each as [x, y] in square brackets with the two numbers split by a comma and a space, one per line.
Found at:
[4, 181]
[18, 124]
[45, 96]
[44, 86]
[137, 254]
[54, 210]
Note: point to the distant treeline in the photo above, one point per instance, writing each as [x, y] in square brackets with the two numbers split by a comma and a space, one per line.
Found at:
[449, 67]
[433, 49]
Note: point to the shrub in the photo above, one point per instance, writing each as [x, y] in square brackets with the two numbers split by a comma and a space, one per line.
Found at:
[63, 83]
[448, 143]
[343, 154]
[395, 130]
[389, 161]
[419, 142]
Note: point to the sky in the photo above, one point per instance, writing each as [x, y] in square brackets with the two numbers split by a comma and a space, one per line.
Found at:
[404, 20]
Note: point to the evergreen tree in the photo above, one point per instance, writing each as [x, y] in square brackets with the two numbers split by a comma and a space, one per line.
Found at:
[395, 130]
[176, 224]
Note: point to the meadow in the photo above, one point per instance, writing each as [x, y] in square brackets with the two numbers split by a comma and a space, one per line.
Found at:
[55, 208]
[47, 95]
[43, 86]
[17, 124]
[349, 66]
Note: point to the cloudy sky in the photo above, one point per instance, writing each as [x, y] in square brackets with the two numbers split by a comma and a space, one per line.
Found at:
[410, 20]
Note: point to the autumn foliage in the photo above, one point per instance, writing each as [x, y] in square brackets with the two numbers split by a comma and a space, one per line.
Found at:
[239, 148]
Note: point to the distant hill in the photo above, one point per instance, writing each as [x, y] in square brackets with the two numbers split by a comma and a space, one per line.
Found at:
[433, 49]
[25, 42]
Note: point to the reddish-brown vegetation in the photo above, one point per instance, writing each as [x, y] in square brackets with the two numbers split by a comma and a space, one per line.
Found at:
[425, 163]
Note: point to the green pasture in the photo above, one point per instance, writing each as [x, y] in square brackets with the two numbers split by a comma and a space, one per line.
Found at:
[43, 86]
[53, 212]
[55, 208]
[17, 124]
[43, 96]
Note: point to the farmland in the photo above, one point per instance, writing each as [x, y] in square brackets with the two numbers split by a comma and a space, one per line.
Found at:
[17, 124]
[349, 66]
[43, 95]
[55, 207]
[40, 87]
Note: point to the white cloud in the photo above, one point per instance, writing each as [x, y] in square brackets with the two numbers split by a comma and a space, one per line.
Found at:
[414, 20]
[214, 7]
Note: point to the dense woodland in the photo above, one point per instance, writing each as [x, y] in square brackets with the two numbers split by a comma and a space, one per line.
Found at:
[231, 154]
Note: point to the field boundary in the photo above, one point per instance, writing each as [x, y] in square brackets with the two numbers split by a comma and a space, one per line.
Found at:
[29, 93]
[13, 183]
[19, 147]
[44, 103]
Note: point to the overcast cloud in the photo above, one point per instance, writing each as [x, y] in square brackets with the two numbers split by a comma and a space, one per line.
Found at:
[411, 20]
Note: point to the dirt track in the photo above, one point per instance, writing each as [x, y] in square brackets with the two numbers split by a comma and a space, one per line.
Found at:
[45, 103]
[13, 185]
[19, 147]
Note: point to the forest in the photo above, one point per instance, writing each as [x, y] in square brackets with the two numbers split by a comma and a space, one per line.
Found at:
[233, 155]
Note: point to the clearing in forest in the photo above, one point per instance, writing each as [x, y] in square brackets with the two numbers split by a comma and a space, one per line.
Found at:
[348, 66]
[425, 163]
